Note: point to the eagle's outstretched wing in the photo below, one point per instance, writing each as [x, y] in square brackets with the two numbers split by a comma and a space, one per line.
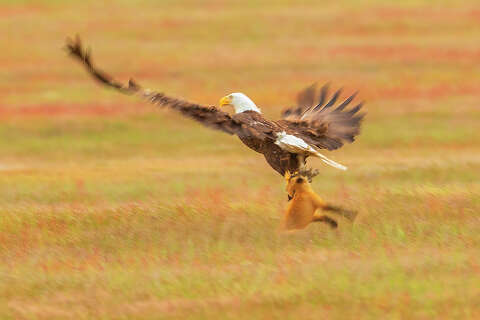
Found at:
[323, 125]
[208, 116]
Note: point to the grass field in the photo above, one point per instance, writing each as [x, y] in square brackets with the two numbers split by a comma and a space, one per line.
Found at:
[111, 209]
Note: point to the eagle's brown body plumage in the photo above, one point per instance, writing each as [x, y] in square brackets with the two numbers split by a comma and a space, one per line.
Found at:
[280, 160]
[319, 125]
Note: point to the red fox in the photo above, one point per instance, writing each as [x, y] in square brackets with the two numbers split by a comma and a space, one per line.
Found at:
[304, 202]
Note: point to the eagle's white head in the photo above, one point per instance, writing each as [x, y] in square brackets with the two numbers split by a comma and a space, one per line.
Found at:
[239, 102]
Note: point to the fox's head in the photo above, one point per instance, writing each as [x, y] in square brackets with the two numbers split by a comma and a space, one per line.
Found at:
[296, 183]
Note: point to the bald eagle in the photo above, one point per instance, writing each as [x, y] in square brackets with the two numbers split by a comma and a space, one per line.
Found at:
[285, 144]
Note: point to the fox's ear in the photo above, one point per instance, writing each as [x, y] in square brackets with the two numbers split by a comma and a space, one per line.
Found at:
[287, 175]
[300, 180]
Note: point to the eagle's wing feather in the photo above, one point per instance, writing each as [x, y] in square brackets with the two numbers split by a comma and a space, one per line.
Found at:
[305, 99]
[323, 125]
[208, 116]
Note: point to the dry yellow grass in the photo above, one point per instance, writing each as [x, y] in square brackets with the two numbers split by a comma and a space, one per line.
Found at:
[113, 210]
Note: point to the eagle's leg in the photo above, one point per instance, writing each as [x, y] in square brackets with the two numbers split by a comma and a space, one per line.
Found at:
[302, 168]
[301, 163]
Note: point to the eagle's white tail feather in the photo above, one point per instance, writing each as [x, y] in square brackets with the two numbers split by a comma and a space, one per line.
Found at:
[329, 161]
[294, 144]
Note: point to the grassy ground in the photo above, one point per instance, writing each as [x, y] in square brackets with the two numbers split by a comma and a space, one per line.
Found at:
[113, 210]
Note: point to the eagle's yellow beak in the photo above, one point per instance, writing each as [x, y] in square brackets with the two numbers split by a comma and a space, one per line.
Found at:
[225, 101]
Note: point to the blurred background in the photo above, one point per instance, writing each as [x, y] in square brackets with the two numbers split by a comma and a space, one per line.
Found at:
[112, 208]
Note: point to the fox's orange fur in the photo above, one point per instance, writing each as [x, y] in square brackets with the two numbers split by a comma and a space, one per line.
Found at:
[304, 202]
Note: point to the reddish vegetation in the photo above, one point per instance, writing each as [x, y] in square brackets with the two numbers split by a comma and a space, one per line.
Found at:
[18, 10]
[426, 13]
[69, 110]
[405, 91]
[408, 53]
[408, 90]
[435, 92]
[475, 14]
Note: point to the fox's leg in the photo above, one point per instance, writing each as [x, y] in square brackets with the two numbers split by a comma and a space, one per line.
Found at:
[320, 203]
[349, 214]
[319, 218]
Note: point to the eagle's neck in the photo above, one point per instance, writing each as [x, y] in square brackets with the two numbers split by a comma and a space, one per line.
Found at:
[244, 108]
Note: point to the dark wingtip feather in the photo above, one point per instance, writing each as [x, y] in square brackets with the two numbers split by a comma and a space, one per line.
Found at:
[323, 96]
[346, 102]
[334, 99]
[355, 109]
